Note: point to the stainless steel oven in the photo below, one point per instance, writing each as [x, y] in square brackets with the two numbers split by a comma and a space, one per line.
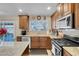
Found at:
[67, 41]
[57, 50]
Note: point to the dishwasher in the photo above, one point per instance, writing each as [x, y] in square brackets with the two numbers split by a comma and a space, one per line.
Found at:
[26, 38]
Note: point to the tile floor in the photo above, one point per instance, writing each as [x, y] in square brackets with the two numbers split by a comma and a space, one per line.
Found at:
[40, 52]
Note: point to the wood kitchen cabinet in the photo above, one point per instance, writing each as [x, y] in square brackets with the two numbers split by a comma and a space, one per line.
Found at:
[65, 9]
[44, 42]
[77, 15]
[66, 53]
[61, 9]
[26, 51]
[69, 8]
[41, 42]
[35, 42]
[23, 21]
[54, 18]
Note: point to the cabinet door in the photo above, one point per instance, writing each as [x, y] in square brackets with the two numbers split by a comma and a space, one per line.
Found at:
[54, 18]
[61, 9]
[49, 45]
[69, 8]
[77, 16]
[35, 42]
[66, 53]
[23, 22]
[35, 39]
[45, 42]
[66, 7]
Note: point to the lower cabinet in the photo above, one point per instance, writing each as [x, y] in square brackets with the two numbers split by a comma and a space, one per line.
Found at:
[19, 38]
[34, 44]
[26, 51]
[41, 42]
[66, 53]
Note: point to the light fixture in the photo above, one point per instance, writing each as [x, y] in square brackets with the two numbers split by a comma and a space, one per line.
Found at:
[49, 8]
[20, 10]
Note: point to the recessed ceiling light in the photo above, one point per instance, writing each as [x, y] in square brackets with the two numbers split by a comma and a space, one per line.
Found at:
[49, 8]
[20, 10]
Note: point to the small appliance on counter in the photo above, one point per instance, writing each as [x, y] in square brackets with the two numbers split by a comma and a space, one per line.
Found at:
[23, 32]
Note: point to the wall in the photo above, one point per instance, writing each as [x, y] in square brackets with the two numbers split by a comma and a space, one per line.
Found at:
[48, 19]
[16, 21]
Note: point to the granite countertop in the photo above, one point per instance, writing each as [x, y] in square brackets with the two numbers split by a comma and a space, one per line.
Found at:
[41, 35]
[74, 51]
[14, 50]
[32, 34]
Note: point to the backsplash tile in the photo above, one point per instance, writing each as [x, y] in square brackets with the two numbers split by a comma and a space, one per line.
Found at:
[71, 32]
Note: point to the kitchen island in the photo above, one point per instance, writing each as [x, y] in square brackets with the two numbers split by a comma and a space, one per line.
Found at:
[16, 49]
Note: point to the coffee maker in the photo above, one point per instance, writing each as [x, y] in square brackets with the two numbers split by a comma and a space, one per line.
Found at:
[23, 32]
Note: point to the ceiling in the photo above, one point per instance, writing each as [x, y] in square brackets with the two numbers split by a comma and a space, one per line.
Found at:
[27, 9]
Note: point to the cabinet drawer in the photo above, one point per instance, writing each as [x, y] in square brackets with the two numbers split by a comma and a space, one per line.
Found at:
[35, 39]
[43, 38]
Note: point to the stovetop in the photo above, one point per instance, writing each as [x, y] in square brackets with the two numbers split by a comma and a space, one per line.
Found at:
[65, 42]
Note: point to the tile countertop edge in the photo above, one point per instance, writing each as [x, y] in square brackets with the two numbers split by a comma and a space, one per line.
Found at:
[24, 46]
[16, 50]
[74, 51]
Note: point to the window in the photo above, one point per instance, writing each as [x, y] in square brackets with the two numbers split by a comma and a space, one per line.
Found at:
[9, 26]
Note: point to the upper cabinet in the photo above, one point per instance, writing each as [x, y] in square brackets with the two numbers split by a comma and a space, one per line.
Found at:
[60, 9]
[23, 22]
[54, 17]
[68, 8]
[65, 8]
[76, 16]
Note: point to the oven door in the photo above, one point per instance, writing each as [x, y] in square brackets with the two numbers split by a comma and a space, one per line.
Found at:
[57, 50]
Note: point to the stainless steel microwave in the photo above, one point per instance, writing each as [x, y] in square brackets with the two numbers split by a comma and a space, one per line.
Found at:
[66, 22]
